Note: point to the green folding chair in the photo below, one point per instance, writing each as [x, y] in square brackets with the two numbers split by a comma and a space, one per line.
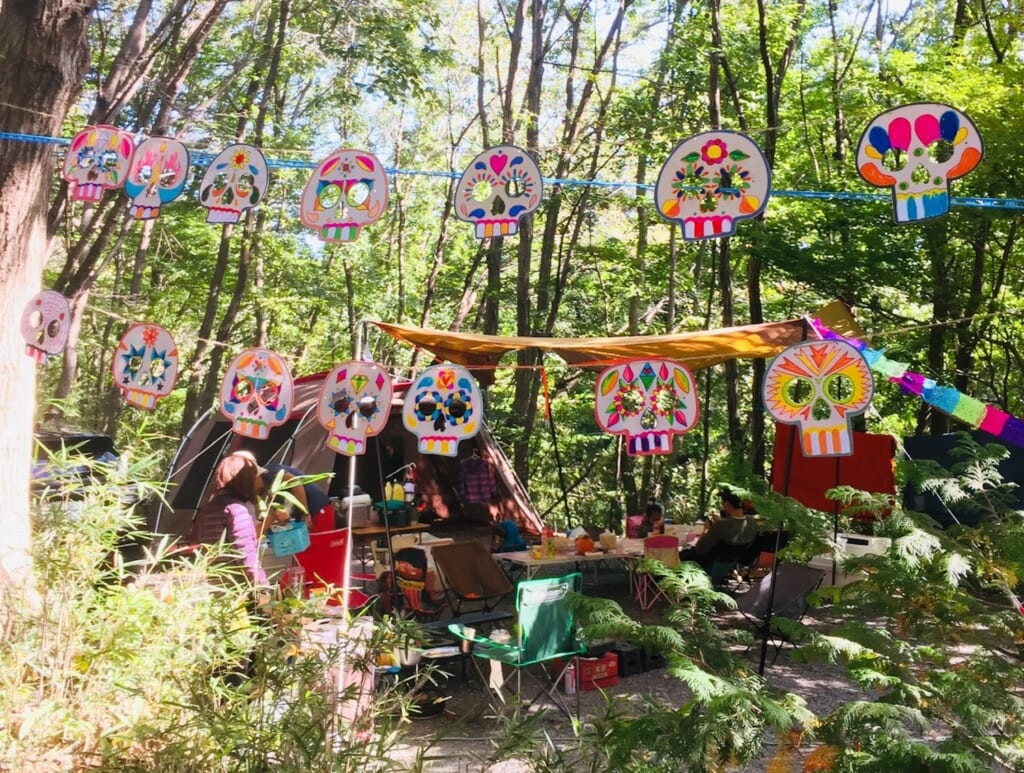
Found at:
[546, 633]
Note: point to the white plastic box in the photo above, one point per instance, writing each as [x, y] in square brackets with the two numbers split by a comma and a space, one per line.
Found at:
[824, 563]
[862, 545]
[361, 504]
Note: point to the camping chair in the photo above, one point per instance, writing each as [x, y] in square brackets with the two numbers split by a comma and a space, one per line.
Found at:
[727, 561]
[470, 576]
[793, 584]
[663, 548]
[411, 573]
[546, 633]
[324, 562]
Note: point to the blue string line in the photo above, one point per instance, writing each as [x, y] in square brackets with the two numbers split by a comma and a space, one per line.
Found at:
[203, 159]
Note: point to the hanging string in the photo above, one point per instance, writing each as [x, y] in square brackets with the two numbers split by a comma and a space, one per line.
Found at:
[203, 159]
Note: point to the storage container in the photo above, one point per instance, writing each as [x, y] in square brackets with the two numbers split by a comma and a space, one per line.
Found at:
[862, 545]
[361, 504]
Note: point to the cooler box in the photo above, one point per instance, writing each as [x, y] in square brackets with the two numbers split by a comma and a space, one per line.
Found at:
[361, 504]
[596, 672]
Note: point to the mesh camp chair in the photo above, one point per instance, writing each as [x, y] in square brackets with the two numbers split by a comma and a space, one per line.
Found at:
[662, 548]
[793, 584]
[547, 643]
[324, 562]
[472, 580]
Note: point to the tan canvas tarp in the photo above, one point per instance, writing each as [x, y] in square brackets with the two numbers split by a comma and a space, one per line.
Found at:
[698, 349]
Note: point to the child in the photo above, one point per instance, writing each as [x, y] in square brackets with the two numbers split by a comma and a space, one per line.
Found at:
[507, 535]
[654, 521]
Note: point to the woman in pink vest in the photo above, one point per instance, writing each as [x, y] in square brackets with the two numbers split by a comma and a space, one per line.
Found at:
[229, 515]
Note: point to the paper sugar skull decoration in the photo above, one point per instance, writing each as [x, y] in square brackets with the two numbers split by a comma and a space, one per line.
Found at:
[145, 365]
[256, 393]
[234, 182]
[347, 192]
[44, 325]
[916, 150]
[498, 188]
[354, 403]
[443, 406]
[648, 401]
[819, 386]
[711, 181]
[157, 176]
[97, 161]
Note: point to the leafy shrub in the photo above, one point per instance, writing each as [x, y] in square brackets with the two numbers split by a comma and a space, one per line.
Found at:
[135, 658]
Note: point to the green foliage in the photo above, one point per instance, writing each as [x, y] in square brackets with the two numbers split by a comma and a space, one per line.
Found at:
[136, 657]
[934, 632]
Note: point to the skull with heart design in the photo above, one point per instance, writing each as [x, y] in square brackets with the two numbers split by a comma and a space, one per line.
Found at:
[499, 187]
[443, 406]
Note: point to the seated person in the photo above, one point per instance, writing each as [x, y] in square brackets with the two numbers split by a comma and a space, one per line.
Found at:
[508, 538]
[732, 529]
[654, 520]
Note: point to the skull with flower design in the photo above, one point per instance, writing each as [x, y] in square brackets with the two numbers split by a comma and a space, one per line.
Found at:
[256, 393]
[145, 366]
[710, 182]
[235, 181]
[648, 401]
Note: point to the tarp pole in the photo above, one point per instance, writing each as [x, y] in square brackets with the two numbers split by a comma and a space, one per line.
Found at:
[778, 542]
[554, 446]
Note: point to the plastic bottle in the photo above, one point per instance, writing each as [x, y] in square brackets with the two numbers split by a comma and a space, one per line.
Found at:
[570, 679]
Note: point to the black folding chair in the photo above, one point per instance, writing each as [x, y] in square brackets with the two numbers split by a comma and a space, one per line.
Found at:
[782, 593]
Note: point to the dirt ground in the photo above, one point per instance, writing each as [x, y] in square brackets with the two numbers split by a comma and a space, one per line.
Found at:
[469, 732]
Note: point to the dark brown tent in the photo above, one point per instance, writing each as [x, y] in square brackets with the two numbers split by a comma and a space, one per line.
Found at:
[300, 443]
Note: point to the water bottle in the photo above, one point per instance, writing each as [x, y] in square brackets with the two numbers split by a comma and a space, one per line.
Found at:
[570, 679]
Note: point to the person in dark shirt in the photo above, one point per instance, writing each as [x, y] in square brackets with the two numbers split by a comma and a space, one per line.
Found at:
[733, 529]
[313, 503]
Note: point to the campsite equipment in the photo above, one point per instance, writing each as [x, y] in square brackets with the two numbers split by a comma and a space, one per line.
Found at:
[470, 576]
[546, 637]
[663, 548]
[324, 563]
[288, 539]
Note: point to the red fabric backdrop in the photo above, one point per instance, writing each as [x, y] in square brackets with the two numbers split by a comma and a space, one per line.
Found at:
[868, 468]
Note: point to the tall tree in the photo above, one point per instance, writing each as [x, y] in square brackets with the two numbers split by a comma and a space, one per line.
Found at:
[43, 60]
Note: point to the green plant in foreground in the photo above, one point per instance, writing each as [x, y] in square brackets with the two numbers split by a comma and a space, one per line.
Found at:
[140, 659]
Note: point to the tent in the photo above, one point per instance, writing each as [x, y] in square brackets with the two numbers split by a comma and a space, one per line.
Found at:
[300, 442]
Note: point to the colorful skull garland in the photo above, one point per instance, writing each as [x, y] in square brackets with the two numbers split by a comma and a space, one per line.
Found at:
[443, 406]
[234, 182]
[916, 150]
[45, 323]
[819, 386]
[347, 192]
[157, 175]
[256, 393]
[648, 401]
[145, 365]
[97, 161]
[711, 181]
[355, 402]
[499, 187]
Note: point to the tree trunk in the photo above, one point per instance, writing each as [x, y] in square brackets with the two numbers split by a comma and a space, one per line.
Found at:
[43, 60]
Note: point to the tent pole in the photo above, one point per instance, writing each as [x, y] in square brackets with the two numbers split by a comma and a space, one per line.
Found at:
[775, 554]
[393, 583]
[778, 536]
[835, 523]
